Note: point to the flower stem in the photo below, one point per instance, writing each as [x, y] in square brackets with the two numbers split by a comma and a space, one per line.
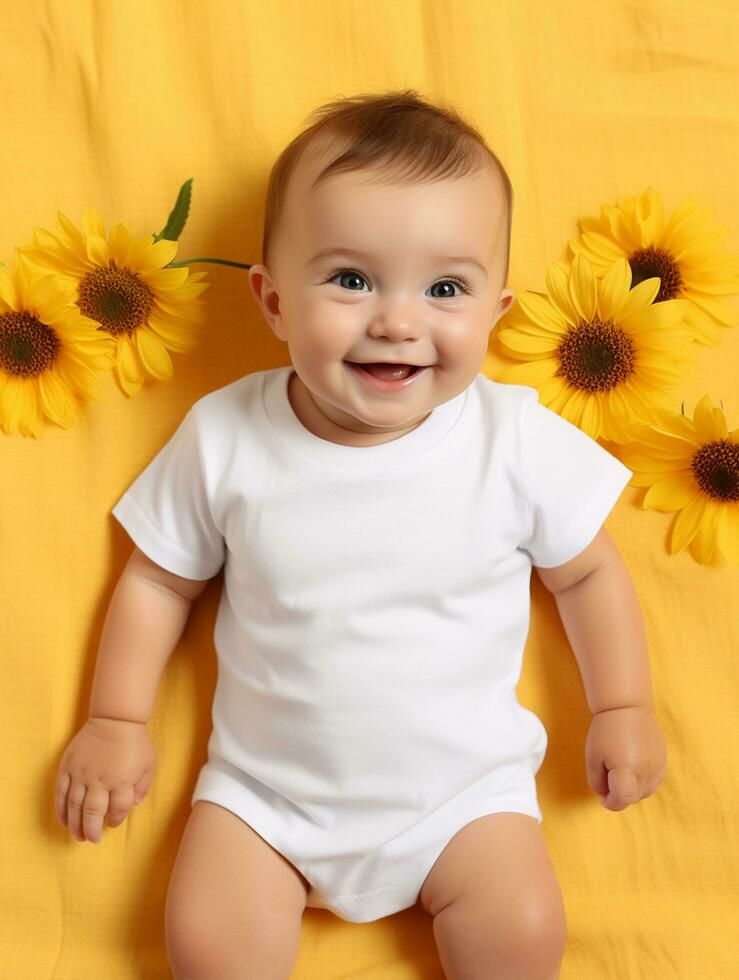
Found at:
[177, 265]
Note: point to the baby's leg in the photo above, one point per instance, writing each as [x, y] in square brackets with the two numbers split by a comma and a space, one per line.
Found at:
[497, 906]
[234, 904]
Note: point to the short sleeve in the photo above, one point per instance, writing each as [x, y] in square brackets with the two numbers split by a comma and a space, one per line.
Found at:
[166, 510]
[570, 482]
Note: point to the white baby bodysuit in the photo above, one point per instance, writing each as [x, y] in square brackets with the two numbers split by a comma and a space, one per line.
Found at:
[373, 616]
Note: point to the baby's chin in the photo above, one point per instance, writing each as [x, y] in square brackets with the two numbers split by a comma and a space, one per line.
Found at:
[380, 421]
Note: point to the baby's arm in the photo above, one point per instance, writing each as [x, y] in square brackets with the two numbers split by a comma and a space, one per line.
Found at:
[600, 612]
[109, 764]
[598, 605]
[146, 617]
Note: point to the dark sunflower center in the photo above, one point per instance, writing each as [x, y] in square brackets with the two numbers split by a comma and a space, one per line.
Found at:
[116, 298]
[28, 347]
[596, 356]
[650, 262]
[716, 469]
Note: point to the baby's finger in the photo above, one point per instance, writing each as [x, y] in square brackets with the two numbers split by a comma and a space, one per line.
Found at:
[93, 813]
[75, 801]
[142, 786]
[121, 801]
[60, 797]
[623, 787]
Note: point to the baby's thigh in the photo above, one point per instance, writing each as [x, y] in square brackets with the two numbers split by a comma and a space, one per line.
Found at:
[234, 904]
[493, 890]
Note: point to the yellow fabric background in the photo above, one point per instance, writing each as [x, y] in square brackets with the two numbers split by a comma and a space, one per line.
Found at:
[113, 105]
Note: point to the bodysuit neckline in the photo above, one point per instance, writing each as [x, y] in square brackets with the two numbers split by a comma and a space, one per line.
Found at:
[358, 458]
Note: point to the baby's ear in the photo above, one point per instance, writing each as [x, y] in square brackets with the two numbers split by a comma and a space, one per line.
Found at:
[256, 280]
[507, 296]
[266, 296]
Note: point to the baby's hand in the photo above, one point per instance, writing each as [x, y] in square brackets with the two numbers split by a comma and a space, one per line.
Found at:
[107, 767]
[625, 756]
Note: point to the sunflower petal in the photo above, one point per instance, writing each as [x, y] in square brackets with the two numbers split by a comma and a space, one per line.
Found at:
[154, 355]
[119, 244]
[530, 373]
[50, 261]
[166, 279]
[591, 417]
[73, 367]
[601, 246]
[52, 290]
[641, 296]
[613, 289]
[689, 247]
[97, 251]
[177, 336]
[137, 254]
[528, 343]
[159, 254]
[129, 368]
[687, 522]
[710, 422]
[8, 291]
[71, 230]
[93, 223]
[624, 226]
[541, 312]
[57, 402]
[188, 313]
[559, 293]
[722, 312]
[671, 493]
[650, 215]
[705, 284]
[668, 315]
[582, 288]
[612, 218]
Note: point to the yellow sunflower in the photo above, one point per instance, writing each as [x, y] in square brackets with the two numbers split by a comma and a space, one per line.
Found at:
[682, 251]
[691, 467]
[600, 354]
[49, 351]
[122, 284]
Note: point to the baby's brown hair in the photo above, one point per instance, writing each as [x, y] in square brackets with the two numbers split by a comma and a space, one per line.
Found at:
[394, 128]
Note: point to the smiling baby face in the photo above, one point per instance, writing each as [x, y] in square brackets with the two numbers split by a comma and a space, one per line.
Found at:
[370, 270]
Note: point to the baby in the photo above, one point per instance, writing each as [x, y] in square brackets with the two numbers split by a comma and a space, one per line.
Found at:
[377, 507]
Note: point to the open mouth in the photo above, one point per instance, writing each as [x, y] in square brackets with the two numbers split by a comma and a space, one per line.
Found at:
[389, 372]
[388, 377]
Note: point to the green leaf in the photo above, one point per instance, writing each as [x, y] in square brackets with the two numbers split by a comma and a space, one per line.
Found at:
[178, 215]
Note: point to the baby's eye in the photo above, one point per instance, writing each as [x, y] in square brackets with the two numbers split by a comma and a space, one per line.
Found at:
[454, 282]
[346, 274]
[352, 274]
